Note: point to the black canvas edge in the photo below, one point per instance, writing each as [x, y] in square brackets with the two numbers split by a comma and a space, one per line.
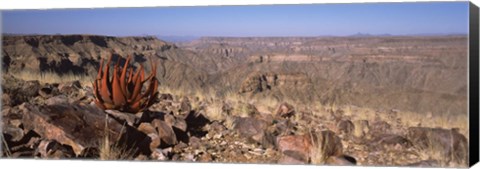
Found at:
[473, 84]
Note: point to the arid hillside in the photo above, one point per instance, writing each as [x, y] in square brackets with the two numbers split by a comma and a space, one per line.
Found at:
[421, 74]
[376, 101]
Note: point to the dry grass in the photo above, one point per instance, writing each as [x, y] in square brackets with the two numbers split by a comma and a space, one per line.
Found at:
[215, 112]
[52, 77]
[325, 145]
[109, 150]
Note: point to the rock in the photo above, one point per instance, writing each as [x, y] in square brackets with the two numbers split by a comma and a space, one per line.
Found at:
[285, 110]
[282, 127]
[166, 133]
[51, 149]
[69, 87]
[56, 100]
[178, 123]
[194, 142]
[345, 126]
[128, 118]
[18, 91]
[254, 130]
[15, 133]
[295, 149]
[73, 125]
[392, 140]
[48, 91]
[147, 128]
[449, 143]
[166, 96]
[341, 160]
[30, 88]
[152, 133]
[158, 154]
[185, 105]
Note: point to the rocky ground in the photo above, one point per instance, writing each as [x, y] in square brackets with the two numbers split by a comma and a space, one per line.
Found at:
[61, 121]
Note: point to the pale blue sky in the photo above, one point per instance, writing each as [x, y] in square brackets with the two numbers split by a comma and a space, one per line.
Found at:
[265, 20]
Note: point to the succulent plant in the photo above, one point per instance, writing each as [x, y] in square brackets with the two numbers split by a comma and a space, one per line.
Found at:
[123, 91]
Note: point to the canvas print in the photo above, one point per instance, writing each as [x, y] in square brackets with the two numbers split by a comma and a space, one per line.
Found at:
[368, 84]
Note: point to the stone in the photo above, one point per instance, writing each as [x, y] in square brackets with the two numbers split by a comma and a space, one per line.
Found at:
[51, 149]
[392, 140]
[127, 118]
[345, 126]
[295, 149]
[194, 142]
[69, 87]
[185, 105]
[285, 110]
[165, 96]
[146, 128]
[60, 99]
[340, 160]
[254, 130]
[166, 133]
[152, 133]
[47, 91]
[72, 125]
[15, 133]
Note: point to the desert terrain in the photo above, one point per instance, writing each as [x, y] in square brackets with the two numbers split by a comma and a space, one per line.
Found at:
[370, 101]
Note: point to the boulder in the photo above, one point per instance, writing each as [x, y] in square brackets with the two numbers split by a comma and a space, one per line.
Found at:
[165, 132]
[295, 149]
[72, 125]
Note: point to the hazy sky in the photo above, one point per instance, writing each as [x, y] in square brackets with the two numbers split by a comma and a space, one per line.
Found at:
[271, 20]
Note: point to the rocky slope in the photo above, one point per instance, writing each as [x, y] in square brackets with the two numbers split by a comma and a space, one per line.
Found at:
[81, 54]
[58, 121]
[421, 74]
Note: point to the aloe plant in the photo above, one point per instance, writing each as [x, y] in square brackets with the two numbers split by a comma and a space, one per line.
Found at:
[123, 91]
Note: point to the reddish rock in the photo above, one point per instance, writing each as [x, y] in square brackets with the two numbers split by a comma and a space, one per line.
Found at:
[165, 132]
[73, 125]
[295, 149]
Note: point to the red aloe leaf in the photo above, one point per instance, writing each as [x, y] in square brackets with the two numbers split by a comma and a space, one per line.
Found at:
[105, 87]
[118, 96]
[123, 81]
[138, 86]
[95, 91]
[153, 92]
